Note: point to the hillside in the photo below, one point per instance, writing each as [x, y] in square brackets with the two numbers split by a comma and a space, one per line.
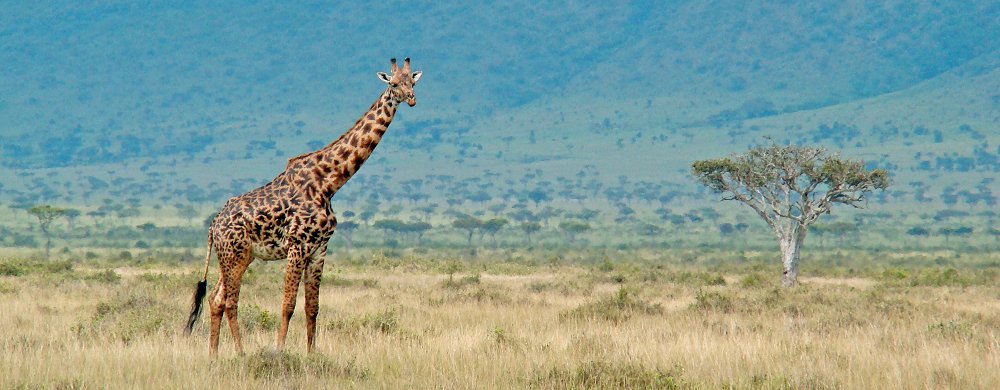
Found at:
[197, 103]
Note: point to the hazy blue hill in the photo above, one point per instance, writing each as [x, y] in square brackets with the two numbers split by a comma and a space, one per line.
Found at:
[803, 54]
[208, 93]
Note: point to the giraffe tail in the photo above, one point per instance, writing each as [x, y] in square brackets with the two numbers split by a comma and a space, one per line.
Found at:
[199, 292]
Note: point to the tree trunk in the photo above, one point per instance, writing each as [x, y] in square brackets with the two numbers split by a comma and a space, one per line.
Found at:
[790, 247]
[48, 245]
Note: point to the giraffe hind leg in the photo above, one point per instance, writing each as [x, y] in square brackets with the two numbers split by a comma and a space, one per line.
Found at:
[232, 299]
[216, 307]
[313, 277]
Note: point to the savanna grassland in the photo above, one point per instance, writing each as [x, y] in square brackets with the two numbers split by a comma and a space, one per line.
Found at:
[533, 222]
[518, 319]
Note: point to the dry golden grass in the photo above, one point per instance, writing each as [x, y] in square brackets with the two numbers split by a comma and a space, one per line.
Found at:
[562, 327]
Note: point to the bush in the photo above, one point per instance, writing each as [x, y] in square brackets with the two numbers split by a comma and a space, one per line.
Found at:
[337, 281]
[270, 364]
[108, 276]
[611, 375]
[939, 277]
[9, 268]
[254, 318]
[12, 267]
[617, 308]
[755, 280]
[58, 266]
[713, 301]
[696, 278]
[125, 318]
[462, 282]
[385, 322]
[936, 277]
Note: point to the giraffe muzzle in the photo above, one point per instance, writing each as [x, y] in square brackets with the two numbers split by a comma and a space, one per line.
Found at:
[411, 101]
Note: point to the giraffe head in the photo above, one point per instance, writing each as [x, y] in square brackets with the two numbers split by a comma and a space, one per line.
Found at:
[401, 82]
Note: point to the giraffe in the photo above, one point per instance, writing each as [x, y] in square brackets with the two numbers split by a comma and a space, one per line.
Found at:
[290, 218]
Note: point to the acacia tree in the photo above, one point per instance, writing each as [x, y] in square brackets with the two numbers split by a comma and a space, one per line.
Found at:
[493, 226]
[469, 224]
[790, 187]
[46, 214]
[530, 228]
[573, 228]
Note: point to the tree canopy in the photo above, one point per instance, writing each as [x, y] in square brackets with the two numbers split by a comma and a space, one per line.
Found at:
[795, 183]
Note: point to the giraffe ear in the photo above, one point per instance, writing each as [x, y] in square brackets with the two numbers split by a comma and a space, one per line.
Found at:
[416, 76]
[384, 77]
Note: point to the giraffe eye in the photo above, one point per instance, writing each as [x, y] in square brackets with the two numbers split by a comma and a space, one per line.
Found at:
[394, 85]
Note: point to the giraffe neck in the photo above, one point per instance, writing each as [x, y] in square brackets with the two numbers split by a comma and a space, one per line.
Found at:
[324, 171]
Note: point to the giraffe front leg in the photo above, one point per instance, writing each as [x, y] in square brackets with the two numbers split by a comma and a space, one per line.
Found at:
[314, 275]
[293, 274]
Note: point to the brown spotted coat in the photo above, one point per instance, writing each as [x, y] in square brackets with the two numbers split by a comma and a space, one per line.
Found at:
[291, 218]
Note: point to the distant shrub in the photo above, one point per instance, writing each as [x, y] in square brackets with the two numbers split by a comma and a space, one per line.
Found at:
[937, 277]
[611, 375]
[894, 274]
[713, 301]
[384, 322]
[125, 318]
[13, 267]
[337, 281]
[467, 280]
[754, 280]
[58, 266]
[606, 265]
[696, 278]
[617, 308]
[10, 268]
[270, 364]
[108, 276]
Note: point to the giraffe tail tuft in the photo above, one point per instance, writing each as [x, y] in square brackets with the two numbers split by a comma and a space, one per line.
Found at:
[199, 291]
[196, 303]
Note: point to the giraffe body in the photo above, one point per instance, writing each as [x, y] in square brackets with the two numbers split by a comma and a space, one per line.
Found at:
[290, 219]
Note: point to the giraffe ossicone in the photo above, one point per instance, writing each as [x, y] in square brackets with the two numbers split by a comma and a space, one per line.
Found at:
[291, 218]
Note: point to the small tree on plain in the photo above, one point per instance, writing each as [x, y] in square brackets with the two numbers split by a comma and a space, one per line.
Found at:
[71, 216]
[530, 228]
[790, 187]
[46, 214]
[493, 226]
[469, 224]
[573, 229]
